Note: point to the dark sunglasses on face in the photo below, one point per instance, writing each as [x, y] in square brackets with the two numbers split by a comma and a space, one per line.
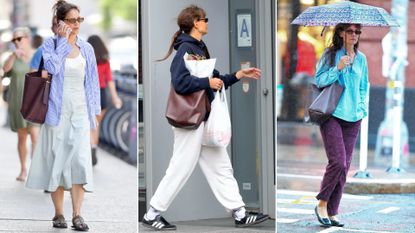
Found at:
[18, 39]
[351, 31]
[204, 19]
[74, 20]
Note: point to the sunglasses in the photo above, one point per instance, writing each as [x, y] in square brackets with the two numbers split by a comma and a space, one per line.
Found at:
[18, 39]
[74, 20]
[351, 31]
[204, 19]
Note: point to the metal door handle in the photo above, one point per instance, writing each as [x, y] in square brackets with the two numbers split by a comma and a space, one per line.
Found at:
[265, 91]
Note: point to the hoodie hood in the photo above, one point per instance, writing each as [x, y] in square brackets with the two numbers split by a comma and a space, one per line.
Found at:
[184, 37]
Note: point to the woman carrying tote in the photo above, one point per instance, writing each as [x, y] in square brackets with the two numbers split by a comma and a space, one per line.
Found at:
[342, 62]
[62, 159]
[188, 149]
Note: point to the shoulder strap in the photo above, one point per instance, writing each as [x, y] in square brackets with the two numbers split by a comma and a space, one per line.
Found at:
[40, 68]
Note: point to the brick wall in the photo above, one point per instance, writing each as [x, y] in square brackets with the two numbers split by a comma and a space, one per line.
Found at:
[370, 44]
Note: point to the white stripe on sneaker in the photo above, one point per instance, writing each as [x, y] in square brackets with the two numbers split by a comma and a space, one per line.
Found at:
[251, 219]
[154, 224]
[161, 226]
[247, 220]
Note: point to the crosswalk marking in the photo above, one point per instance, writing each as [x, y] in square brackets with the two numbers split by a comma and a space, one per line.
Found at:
[294, 210]
[328, 230]
[334, 229]
[388, 210]
[296, 201]
[299, 176]
[308, 193]
[287, 220]
[304, 200]
[350, 179]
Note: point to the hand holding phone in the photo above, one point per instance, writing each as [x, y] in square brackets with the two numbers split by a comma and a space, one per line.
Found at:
[63, 29]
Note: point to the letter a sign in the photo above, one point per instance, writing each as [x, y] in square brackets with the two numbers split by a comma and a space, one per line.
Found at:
[244, 30]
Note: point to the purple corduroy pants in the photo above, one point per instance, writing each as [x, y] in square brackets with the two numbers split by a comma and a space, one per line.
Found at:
[339, 139]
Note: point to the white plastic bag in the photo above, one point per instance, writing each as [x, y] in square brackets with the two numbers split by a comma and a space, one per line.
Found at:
[199, 68]
[217, 131]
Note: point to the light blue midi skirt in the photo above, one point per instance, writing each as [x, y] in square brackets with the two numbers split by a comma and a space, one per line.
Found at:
[62, 156]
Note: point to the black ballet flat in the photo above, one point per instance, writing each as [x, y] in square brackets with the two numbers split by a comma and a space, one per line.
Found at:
[324, 221]
[336, 223]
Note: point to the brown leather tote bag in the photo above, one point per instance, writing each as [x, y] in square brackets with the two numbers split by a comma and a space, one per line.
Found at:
[324, 102]
[36, 95]
[187, 111]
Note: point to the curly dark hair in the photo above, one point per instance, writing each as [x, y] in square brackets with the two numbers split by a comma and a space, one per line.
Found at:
[337, 43]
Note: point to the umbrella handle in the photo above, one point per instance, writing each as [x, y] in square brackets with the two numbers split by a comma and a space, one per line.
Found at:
[322, 31]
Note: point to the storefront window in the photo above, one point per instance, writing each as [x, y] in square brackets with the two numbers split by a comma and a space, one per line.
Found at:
[296, 61]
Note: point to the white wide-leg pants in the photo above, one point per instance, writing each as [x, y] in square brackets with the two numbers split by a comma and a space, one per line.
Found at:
[214, 162]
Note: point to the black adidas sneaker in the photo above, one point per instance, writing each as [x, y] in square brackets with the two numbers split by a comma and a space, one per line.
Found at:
[250, 219]
[159, 224]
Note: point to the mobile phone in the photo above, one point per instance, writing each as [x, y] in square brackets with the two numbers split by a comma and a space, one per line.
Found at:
[61, 24]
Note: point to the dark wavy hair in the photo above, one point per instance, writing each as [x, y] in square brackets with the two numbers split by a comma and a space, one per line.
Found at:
[337, 43]
[61, 8]
[101, 51]
[185, 21]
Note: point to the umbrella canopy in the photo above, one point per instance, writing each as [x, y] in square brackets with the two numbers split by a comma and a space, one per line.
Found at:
[345, 12]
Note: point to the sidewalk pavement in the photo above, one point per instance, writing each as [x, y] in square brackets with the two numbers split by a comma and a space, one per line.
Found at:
[112, 207]
[220, 225]
[301, 157]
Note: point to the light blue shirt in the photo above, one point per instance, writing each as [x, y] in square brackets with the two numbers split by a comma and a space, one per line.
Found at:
[54, 62]
[353, 104]
[37, 56]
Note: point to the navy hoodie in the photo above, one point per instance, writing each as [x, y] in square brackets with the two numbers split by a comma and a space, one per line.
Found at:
[182, 81]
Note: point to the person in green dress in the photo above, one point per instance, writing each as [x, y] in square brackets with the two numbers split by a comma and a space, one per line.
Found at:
[15, 67]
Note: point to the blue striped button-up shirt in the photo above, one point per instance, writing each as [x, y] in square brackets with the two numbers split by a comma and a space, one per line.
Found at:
[54, 63]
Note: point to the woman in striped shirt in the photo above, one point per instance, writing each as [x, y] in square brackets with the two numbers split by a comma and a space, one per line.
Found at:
[62, 159]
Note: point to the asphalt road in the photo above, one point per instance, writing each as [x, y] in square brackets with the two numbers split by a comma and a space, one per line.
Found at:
[361, 213]
[300, 168]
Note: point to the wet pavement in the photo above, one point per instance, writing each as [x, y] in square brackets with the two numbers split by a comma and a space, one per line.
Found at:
[301, 160]
[365, 207]
[360, 213]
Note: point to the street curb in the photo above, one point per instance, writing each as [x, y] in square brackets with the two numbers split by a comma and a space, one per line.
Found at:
[379, 186]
